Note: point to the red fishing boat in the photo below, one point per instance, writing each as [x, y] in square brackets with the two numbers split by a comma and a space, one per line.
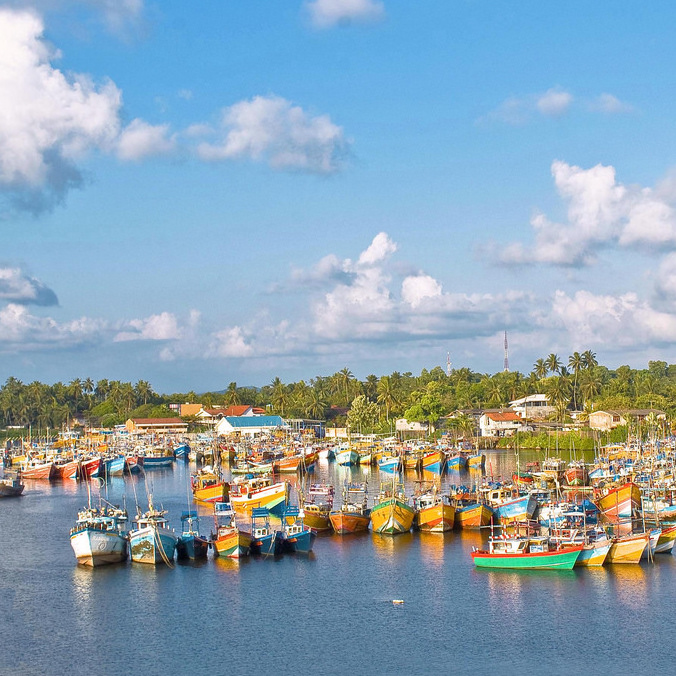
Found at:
[38, 469]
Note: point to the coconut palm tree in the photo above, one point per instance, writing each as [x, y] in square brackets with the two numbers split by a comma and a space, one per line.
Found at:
[576, 363]
[231, 395]
[553, 363]
[387, 395]
[540, 368]
[589, 359]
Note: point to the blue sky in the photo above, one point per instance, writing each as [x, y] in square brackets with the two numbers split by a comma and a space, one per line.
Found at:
[258, 189]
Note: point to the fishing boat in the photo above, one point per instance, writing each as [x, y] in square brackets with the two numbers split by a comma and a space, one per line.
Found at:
[346, 457]
[665, 543]
[316, 504]
[191, 545]
[11, 486]
[471, 515]
[228, 540]
[259, 492]
[156, 460]
[434, 512]
[182, 450]
[510, 505]
[152, 541]
[389, 463]
[628, 548]
[456, 462]
[433, 461]
[391, 514]
[354, 515]
[576, 473]
[620, 502]
[67, 469]
[476, 461]
[99, 536]
[574, 530]
[91, 467]
[38, 469]
[115, 466]
[263, 539]
[525, 553]
[294, 536]
[207, 486]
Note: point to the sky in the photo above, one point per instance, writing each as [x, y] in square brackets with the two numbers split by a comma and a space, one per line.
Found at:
[239, 190]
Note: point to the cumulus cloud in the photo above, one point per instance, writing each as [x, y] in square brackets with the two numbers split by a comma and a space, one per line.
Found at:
[231, 342]
[284, 135]
[329, 13]
[163, 326]
[601, 212]
[554, 103]
[17, 287]
[21, 331]
[140, 140]
[47, 120]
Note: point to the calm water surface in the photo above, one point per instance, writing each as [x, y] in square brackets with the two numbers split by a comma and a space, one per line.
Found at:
[329, 613]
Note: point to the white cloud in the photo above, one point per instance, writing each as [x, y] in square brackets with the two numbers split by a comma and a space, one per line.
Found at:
[554, 102]
[273, 129]
[609, 105]
[17, 287]
[601, 212]
[415, 289]
[231, 342]
[140, 140]
[21, 331]
[329, 13]
[47, 120]
[163, 326]
[380, 248]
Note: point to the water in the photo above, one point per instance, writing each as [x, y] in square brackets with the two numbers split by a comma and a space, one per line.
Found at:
[327, 613]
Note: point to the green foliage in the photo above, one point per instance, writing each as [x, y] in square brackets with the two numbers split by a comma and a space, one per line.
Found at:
[363, 415]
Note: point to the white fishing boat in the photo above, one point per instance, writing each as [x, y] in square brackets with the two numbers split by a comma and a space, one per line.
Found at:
[99, 536]
[152, 541]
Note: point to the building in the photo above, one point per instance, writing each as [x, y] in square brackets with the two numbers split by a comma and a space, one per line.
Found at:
[500, 423]
[609, 420]
[158, 425]
[250, 425]
[403, 425]
[533, 406]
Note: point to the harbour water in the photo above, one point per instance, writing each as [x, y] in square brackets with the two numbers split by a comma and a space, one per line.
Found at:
[327, 613]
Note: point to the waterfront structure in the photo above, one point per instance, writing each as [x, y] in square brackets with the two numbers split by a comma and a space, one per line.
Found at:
[250, 425]
[532, 406]
[501, 423]
[157, 425]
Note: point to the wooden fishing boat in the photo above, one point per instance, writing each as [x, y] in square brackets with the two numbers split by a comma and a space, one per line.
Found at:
[99, 536]
[207, 486]
[456, 462]
[391, 514]
[476, 461]
[347, 457]
[411, 460]
[316, 505]
[67, 470]
[90, 468]
[289, 464]
[525, 553]
[628, 548]
[262, 537]
[354, 515]
[229, 540]
[620, 502]
[152, 541]
[433, 461]
[434, 512]
[389, 463]
[259, 492]
[39, 469]
[665, 543]
[576, 474]
[294, 536]
[472, 515]
[191, 545]
[509, 505]
[11, 486]
[365, 458]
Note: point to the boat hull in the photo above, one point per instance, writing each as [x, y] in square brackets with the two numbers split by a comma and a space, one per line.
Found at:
[391, 517]
[628, 549]
[96, 547]
[192, 547]
[594, 554]
[153, 545]
[273, 498]
[344, 523]
[436, 519]
[473, 516]
[211, 494]
[233, 545]
[620, 503]
[665, 543]
[563, 559]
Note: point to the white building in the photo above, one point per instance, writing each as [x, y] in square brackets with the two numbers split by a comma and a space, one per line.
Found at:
[500, 423]
[532, 406]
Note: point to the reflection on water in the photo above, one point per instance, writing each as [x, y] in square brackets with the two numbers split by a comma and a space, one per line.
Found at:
[432, 548]
[388, 546]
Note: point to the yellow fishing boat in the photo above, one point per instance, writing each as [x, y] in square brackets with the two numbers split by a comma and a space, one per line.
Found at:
[391, 513]
[628, 548]
[207, 486]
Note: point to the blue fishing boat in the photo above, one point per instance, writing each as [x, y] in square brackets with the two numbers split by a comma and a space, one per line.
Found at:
[294, 536]
[191, 545]
[157, 461]
[182, 451]
[262, 538]
[115, 466]
[389, 464]
[456, 462]
[152, 541]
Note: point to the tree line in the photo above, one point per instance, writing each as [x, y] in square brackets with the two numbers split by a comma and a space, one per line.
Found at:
[578, 383]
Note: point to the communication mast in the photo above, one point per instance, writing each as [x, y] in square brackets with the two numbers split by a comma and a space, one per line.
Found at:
[506, 363]
[448, 364]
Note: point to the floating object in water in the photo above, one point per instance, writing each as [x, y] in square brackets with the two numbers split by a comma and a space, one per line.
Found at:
[397, 601]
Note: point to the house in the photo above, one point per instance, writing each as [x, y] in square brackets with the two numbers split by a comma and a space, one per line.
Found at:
[532, 406]
[609, 420]
[501, 423]
[403, 425]
[250, 425]
[159, 425]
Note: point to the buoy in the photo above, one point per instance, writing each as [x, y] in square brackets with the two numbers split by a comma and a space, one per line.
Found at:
[397, 601]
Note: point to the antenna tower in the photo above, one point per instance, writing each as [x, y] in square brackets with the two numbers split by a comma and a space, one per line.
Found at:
[506, 363]
[448, 364]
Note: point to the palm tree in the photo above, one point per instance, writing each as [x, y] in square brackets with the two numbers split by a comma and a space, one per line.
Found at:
[371, 387]
[540, 368]
[280, 396]
[589, 359]
[344, 379]
[575, 362]
[315, 405]
[553, 363]
[144, 390]
[387, 395]
[231, 395]
[590, 385]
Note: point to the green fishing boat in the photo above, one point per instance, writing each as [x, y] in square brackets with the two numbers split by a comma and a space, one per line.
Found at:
[525, 553]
